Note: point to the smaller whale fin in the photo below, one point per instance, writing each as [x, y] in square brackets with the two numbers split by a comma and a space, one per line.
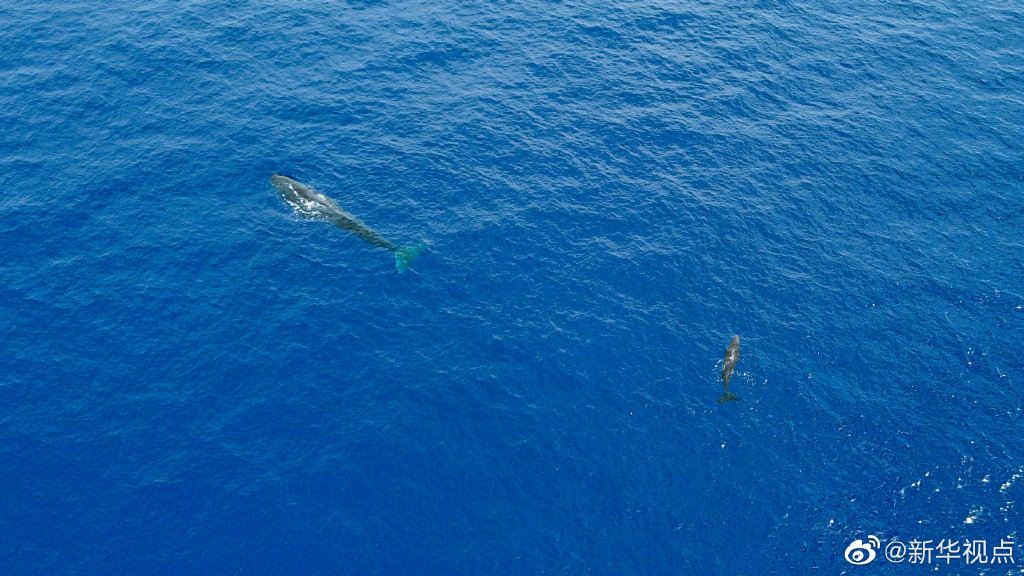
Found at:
[404, 256]
[727, 397]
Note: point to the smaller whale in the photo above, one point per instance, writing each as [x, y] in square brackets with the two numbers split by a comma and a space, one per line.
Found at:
[732, 354]
[312, 204]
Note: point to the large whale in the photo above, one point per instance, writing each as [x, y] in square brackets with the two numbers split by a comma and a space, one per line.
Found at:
[732, 354]
[312, 204]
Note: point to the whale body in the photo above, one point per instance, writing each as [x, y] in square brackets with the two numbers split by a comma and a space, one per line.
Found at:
[732, 354]
[313, 204]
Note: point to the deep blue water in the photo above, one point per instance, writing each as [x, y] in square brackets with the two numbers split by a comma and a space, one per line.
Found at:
[195, 380]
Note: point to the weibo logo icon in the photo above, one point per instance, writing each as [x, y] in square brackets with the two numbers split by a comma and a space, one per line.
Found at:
[859, 553]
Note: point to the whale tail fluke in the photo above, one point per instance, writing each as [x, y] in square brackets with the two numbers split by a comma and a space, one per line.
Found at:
[727, 397]
[404, 256]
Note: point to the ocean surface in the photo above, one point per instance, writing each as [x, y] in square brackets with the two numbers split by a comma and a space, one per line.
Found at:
[195, 379]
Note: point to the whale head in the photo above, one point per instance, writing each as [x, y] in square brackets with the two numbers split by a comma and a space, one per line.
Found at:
[282, 183]
[305, 200]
